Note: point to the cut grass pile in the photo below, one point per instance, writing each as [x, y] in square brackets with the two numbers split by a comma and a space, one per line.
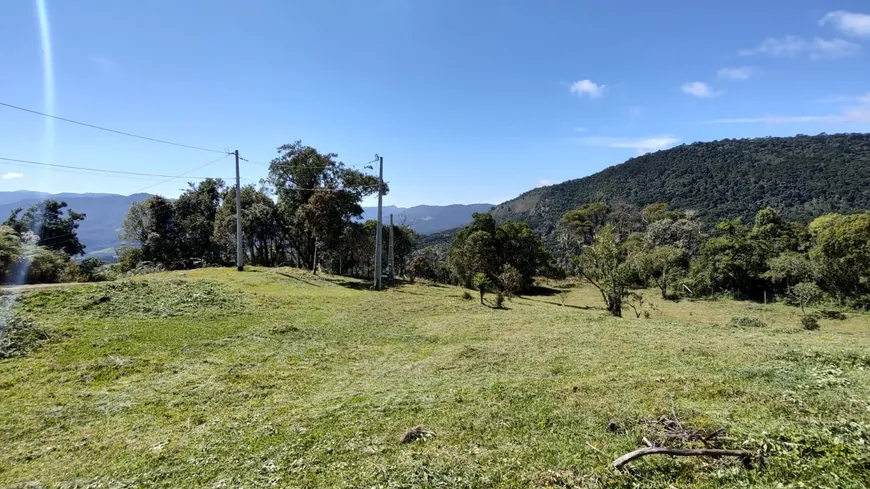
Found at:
[218, 378]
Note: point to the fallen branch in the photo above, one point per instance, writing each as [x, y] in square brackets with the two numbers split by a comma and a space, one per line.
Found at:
[697, 452]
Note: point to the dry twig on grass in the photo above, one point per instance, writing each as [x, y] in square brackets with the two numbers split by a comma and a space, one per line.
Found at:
[745, 456]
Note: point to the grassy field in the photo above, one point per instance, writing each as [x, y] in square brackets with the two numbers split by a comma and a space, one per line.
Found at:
[273, 377]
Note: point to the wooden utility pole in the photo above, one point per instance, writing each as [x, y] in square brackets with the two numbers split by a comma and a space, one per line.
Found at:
[240, 262]
[379, 248]
[392, 274]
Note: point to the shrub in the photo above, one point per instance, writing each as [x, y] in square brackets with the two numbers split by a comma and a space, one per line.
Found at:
[510, 280]
[747, 322]
[91, 270]
[45, 266]
[467, 296]
[499, 300]
[810, 322]
[481, 283]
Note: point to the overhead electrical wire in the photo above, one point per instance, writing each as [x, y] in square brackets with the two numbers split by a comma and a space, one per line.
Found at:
[115, 131]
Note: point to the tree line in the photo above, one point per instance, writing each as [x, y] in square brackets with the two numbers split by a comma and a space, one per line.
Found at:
[621, 250]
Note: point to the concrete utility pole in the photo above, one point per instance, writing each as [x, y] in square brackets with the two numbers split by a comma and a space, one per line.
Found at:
[379, 235]
[392, 274]
[240, 262]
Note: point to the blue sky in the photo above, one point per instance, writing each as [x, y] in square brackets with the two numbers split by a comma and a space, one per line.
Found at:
[468, 101]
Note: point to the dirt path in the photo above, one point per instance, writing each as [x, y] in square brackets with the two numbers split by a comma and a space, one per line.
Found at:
[11, 289]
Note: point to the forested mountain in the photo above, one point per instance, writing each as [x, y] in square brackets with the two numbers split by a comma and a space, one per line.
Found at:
[802, 177]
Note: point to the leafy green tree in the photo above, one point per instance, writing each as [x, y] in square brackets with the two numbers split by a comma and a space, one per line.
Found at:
[510, 280]
[683, 233]
[56, 231]
[480, 282]
[195, 215]
[660, 210]
[663, 266]
[842, 252]
[605, 265]
[805, 294]
[585, 220]
[151, 225]
[318, 196]
[789, 269]
[424, 265]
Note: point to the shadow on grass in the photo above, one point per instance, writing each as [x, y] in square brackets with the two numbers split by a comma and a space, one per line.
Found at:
[583, 308]
[287, 275]
[540, 291]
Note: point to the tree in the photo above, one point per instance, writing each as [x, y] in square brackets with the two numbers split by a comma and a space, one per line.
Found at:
[585, 220]
[480, 282]
[842, 252]
[46, 219]
[151, 224]
[805, 294]
[424, 265]
[195, 214]
[683, 233]
[510, 280]
[789, 268]
[658, 211]
[662, 266]
[604, 264]
[317, 198]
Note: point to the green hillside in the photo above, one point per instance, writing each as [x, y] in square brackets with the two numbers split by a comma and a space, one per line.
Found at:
[803, 177]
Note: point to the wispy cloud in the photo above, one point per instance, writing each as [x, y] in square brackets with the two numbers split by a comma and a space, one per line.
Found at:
[849, 23]
[587, 87]
[792, 46]
[852, 115]
[699, 89]
[544, 183]
[11, 175]
[640, 145]
[741, 73]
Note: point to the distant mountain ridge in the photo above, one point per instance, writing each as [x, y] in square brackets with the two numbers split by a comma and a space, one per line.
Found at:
[802, 177]
[427, 219]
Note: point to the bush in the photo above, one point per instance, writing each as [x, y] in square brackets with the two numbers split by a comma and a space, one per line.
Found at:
[44, 266]
[91, 270]
[499, 300]
[810, 322]
[467, 296]
[747, 322]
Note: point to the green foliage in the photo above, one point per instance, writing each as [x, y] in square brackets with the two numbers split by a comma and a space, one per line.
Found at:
[480, 282]
[499, 300]
[804, 176]
[841, 252]
[789, 268]
[810, 322]
[662, 266]
[510, 280]
[92, 270]
[466, 295]
[483, 247]
[10, 251]
[605, 264]
[805, 294]
[44, 266]
[660, 210]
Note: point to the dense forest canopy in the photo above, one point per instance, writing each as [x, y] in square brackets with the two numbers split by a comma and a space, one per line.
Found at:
[802, 177]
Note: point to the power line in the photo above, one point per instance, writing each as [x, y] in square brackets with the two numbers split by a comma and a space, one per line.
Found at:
[93, 126]
[182, 174]
[99, 170]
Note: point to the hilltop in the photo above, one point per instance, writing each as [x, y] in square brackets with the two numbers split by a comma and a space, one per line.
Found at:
[802, 177]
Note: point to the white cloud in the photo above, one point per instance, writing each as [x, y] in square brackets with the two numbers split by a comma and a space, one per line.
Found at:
[544, 183]
[12, 175]
[742, 73]
[848, 23]
[640, 145]
[699, 89]
[816, 48]
[587, 87]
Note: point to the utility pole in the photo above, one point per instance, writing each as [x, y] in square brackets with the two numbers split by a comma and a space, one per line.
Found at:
[240, 263]
[379, 235]
[391, 275]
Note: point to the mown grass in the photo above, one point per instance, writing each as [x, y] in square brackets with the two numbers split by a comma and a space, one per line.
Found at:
[215, 378]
